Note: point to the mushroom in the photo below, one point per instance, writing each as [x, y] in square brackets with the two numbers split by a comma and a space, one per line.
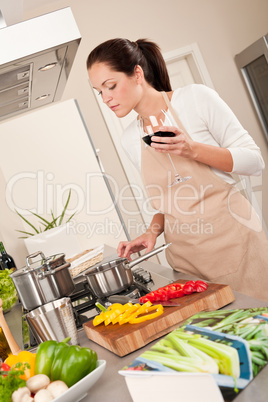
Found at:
[37, 382]
[43, 396]
[22, 394]
[57, 388]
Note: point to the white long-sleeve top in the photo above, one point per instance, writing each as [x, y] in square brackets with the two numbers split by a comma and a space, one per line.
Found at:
[209, 120]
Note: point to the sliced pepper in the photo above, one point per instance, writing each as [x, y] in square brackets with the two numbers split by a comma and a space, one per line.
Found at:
[200, 286]
[113, 312]
[124, 318]
[149, 316]
[125, 307]
[189, 288]
[165, 293]
[141, 310]
[98, 319]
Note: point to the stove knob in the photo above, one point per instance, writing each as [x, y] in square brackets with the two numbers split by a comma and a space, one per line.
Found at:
[147, 277]
[137, 273]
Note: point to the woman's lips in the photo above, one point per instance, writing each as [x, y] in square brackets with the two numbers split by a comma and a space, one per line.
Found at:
[113, 108]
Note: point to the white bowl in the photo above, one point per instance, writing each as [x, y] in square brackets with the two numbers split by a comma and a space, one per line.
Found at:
[79, 390]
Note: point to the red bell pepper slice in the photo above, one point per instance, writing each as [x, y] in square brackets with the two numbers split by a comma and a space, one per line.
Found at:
[174, 290]
[189, 288]
[144, 299]
[200, 286]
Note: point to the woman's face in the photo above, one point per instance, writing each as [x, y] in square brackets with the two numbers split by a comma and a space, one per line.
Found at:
[120, 92]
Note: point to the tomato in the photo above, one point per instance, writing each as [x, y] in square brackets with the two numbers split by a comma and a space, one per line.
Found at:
[4, 367]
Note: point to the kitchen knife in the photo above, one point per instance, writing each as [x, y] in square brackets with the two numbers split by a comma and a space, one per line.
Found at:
[125, 299]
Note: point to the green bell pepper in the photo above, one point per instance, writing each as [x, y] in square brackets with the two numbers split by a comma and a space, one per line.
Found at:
[72, 364]
[46, 353]
[60, 361]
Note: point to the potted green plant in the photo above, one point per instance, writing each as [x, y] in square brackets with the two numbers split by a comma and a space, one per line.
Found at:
[52, 236]
[47, 225]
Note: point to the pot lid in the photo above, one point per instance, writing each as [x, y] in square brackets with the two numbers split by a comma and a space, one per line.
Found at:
[45, 264]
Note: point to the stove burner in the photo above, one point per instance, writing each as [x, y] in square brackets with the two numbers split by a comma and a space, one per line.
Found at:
[83, 300]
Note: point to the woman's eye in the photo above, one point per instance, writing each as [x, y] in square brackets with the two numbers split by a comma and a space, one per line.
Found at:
[113, 87]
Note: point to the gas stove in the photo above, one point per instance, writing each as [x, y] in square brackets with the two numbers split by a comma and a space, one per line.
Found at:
[83, 300]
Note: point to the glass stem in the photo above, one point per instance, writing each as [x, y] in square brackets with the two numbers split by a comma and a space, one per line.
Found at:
[171, 161]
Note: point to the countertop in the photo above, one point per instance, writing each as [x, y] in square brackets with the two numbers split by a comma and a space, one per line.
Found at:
[112, 386]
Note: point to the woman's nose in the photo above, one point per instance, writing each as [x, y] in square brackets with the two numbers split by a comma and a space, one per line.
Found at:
[106, 97]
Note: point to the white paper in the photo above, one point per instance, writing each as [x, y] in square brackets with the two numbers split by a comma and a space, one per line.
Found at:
[177, 387]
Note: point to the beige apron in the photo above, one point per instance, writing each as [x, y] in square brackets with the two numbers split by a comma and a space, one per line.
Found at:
[215, 233]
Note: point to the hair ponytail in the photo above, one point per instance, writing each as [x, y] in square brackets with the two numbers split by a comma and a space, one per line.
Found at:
[155, 69]
[123, 55]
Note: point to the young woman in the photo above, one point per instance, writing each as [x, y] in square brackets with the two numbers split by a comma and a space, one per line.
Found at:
[215, 233]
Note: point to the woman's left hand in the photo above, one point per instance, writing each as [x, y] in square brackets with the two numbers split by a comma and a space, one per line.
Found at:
[180, 144]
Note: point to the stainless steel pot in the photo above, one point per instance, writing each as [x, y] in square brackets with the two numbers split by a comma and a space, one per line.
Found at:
[54, 320]
[115, 276]
[43, 281]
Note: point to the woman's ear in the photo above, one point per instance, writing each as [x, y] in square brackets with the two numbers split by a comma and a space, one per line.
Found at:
[138, 72]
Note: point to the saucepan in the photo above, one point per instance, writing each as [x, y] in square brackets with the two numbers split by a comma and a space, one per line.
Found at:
[43, 281]
[114, 276]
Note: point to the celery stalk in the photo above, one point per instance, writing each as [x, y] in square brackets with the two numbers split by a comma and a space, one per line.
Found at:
[226, 356]
[180, 363]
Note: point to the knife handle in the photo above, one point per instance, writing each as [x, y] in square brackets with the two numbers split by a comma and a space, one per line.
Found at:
[121, 299]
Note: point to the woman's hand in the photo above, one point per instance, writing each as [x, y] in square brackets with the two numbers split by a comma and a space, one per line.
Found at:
[211, 155]
[179, 145]
[146, 241]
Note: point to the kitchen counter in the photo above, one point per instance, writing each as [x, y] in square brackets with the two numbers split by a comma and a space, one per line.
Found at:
[112, 386]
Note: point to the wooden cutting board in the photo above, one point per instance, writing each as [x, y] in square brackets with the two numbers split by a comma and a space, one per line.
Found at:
[126, 338]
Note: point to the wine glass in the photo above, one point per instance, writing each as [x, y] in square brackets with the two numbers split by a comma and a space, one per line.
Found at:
[149, 126]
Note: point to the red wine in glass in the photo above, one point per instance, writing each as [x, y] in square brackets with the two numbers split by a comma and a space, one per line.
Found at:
[147, 138]
[149, 126]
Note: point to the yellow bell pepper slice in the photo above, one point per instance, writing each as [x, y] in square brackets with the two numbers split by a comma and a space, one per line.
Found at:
[149, 316]
[114, 313]
[23, 357]
[132, 313]
[123, 319]
[124, 308]
[141, 310]
[110, 314]
[98, 319]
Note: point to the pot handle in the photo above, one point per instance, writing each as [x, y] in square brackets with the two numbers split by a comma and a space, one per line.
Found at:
[44, 274]
[157, 250]
[31, 256]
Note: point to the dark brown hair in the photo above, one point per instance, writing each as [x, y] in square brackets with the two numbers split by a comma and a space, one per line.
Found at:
[122, 55]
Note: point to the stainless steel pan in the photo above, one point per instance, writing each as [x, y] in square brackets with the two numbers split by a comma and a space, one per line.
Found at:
[115, 276]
